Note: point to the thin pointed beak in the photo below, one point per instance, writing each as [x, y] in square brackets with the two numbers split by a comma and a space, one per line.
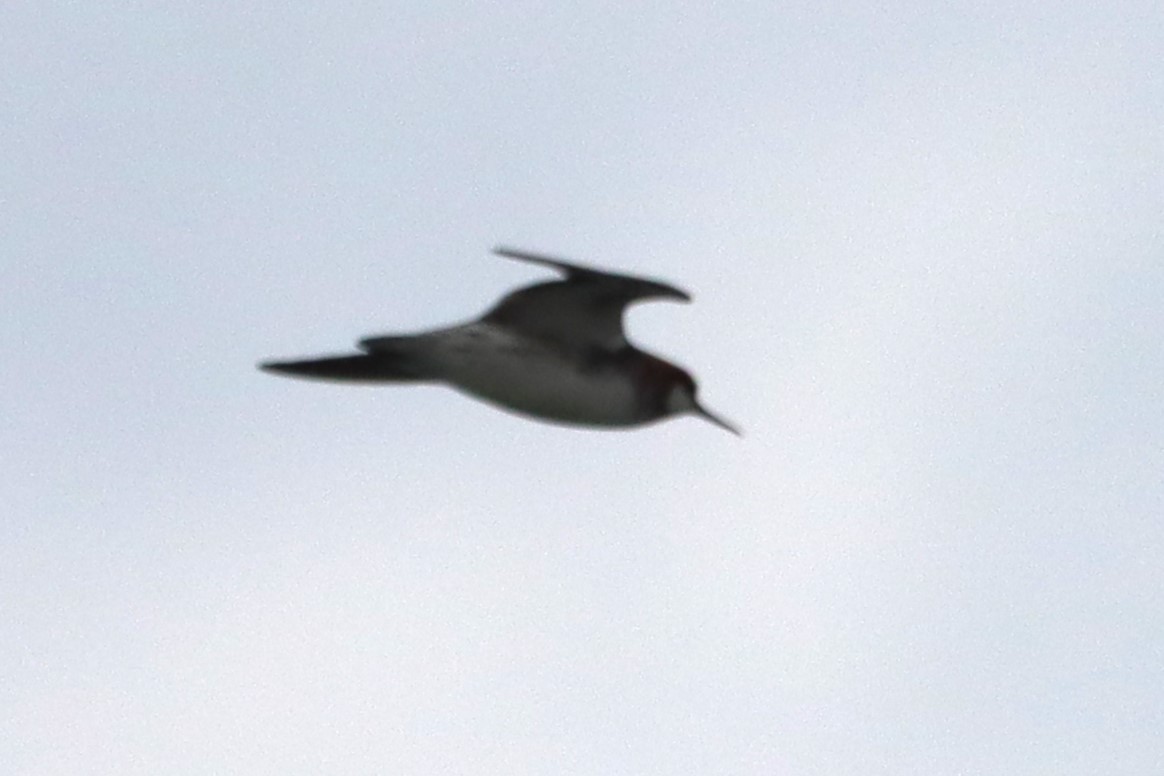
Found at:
[706, 414]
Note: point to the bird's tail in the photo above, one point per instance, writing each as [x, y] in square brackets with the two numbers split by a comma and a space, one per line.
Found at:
[366, 368]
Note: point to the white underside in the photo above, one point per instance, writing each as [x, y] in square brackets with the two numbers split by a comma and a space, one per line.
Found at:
[491, 363]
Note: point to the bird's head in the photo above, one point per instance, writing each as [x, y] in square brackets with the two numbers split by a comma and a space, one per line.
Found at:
[681, 399]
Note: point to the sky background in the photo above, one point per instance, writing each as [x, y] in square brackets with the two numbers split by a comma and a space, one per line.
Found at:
[925, 246]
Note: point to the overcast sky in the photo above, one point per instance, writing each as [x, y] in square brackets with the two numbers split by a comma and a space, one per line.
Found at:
[925, 247]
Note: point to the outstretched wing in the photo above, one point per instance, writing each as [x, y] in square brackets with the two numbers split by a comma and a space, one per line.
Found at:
[584, 310]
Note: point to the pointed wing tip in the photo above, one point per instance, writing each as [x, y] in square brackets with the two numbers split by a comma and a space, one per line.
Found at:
[537, 258]
[516, 253]
[668, 291]
[565, 267]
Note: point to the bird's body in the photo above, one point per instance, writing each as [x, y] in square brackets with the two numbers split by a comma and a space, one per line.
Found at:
[501, 366]
[554, 351]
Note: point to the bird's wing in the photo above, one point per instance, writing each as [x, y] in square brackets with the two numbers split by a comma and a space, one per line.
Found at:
[584, 310]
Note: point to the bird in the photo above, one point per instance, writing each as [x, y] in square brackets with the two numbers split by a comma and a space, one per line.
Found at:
[555, 351]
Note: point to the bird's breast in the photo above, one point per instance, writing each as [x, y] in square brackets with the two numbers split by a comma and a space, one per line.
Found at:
[536, 378]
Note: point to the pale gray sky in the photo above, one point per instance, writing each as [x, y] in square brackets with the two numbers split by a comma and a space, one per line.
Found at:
[925, 246]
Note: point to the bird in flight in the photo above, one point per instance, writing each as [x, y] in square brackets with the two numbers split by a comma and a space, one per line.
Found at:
[554, 350]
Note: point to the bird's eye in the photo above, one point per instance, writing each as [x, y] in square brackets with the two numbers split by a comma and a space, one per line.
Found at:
[680, 399]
